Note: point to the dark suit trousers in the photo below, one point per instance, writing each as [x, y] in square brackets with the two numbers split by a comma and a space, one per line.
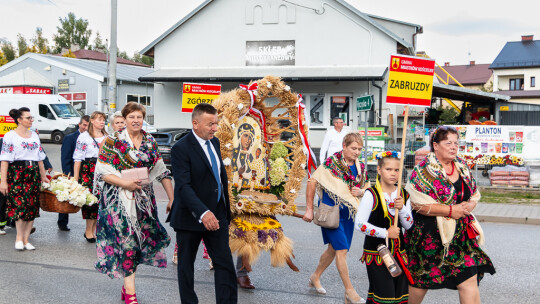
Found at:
[63, 219]
[217, 243]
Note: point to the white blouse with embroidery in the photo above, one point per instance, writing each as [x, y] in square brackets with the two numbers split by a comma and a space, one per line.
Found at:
[86, 147]
[362, 224]
[15, 147]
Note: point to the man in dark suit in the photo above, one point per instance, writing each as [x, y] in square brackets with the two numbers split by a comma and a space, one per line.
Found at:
[201, 207]
[66, 152]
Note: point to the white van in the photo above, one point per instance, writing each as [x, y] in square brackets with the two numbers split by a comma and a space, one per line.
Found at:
[54, 116]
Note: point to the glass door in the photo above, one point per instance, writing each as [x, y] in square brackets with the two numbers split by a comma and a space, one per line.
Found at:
[340, 107]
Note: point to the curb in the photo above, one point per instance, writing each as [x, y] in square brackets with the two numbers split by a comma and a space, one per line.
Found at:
[508, 220]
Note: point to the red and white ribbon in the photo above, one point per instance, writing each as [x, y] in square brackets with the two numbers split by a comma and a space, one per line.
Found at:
[252, 90]
[311, 162]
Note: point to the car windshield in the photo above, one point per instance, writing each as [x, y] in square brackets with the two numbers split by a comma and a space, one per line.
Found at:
[63, 110]
[161, 138]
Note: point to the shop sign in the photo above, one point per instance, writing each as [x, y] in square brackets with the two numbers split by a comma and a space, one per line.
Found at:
[79, 96]
[504, 108]
[6, 124]
[375, 141]
[195, 93]
[270, 52]
[67, 96]
[30, 90]
[364, 103]
[6, 90]
[410, 81]
[63, 85]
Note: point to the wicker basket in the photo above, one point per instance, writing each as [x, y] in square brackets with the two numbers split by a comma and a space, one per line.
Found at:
[49, 203]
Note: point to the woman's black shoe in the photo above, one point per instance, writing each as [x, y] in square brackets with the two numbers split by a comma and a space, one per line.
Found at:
[89, 240]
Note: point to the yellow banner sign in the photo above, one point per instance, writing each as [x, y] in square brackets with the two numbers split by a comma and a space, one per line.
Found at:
[410, 81]
[195, 93]
[6, 124]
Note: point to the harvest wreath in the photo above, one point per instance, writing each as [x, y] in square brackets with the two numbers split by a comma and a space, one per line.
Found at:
[263, 137]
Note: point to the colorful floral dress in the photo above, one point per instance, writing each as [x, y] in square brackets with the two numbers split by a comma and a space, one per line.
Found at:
[23, 180]
[86, 152]
[433, 266]
[125, 240]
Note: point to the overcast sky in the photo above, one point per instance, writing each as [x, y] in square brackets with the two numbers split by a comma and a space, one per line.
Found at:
[454, 31]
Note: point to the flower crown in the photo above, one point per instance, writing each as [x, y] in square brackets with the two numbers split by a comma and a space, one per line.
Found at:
[394, 154]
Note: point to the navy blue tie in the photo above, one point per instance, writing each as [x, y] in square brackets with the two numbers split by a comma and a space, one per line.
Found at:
[214, 167]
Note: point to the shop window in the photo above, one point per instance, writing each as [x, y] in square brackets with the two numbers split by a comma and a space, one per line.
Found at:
[316, 110]
[533, 82]
[339, 107]
[516, 84]
[142, 99]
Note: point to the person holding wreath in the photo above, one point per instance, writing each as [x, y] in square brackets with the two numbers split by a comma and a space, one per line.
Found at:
[84, 164]
[340, 180]
[22, 172]
[129, 232]
[443, 245]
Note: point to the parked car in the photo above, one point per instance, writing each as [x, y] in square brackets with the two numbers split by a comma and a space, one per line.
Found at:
[166, 138]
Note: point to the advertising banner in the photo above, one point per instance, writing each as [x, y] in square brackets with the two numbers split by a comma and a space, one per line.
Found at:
[410, 81]
[195, 93]
[6, 124]
[375, 141]
[499, 145]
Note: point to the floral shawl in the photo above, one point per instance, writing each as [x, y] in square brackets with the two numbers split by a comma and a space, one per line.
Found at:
[118, 153]
[335, 178]
[429, 184]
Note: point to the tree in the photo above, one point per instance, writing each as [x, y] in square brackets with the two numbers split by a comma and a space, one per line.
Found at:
[8, 52]
[449, 115]
[137, 57]
[22, 45]
[40, 43]
[71, 31]
[123, 54]
[3, 59]
[99, 45]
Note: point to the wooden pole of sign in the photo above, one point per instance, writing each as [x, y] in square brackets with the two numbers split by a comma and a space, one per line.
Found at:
[402, 158]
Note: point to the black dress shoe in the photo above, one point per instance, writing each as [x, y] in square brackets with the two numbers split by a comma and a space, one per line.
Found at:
[89, 240]
[64, 228]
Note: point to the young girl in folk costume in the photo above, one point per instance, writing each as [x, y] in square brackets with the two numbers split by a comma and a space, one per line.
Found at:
[375, 218]
[84, 163]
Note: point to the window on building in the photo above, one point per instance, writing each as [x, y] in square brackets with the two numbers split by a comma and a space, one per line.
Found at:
[142, 99]
[316, 110]
[516, 84]
[339, 107]
[533, 82]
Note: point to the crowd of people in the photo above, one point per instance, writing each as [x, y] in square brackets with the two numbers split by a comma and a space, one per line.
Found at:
[427, 226]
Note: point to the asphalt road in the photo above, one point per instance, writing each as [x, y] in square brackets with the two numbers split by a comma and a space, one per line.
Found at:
[61, 269]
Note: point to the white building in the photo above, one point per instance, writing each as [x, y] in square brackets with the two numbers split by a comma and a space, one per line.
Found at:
[335, 54]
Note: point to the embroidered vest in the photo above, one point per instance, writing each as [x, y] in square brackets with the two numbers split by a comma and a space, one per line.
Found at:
[380, 217]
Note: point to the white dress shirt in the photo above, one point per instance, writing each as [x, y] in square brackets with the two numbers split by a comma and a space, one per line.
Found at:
[332, 143]
[364, 211]
[202, 142]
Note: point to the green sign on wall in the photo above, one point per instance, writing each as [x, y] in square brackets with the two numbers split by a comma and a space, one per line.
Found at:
[364, 103]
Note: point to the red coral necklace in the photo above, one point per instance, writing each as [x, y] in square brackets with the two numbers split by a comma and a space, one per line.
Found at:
[453, 167]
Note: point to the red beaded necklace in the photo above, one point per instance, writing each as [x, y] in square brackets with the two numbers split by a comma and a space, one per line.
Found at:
[453, 167]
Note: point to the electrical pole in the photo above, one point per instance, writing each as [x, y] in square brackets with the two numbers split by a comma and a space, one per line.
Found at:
[113, 50]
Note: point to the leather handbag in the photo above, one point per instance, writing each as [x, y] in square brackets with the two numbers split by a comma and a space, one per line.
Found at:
[136, 174]
[327, 216]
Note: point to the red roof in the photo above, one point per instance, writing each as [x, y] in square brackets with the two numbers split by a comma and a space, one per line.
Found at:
[476, 74]
[95, 55]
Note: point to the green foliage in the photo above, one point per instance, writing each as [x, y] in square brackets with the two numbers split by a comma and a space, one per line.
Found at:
[40, 43]
[3, 59]
[8, 52]
[449, 115]
[99, 45]
[137, 57]
[22, 45]
[123, 54]
[72, 31]
[278, 150]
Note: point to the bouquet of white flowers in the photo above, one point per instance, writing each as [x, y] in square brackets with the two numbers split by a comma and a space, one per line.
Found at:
[67, 189]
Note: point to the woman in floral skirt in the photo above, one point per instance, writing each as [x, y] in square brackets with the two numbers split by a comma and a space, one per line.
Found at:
[22, 170]
[443, 245]
[128, 230]
[84, 164]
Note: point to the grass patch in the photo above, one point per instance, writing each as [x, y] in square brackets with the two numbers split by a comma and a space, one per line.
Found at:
[510, 197]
